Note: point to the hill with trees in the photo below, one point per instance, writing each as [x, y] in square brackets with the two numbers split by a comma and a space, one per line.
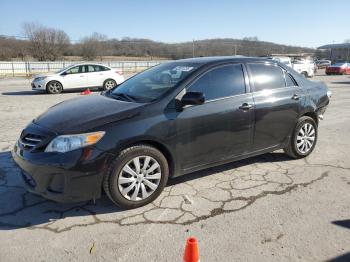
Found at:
[48, 44]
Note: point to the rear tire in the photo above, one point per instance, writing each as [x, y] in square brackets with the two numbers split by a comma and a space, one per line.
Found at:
[305, 74]
[54, 87]
[137, 176]
[303, 139]
[109, 84]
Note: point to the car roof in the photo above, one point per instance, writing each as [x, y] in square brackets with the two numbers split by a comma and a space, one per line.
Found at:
[87, 63]
[217, 59]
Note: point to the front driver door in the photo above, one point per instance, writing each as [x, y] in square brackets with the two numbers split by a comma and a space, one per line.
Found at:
[220, 128]
[75, 77]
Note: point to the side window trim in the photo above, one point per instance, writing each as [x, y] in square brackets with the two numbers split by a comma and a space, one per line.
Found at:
[286, 74]
[213, 68]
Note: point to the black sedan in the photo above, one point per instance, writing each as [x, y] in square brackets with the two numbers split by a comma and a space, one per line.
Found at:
[170, 120]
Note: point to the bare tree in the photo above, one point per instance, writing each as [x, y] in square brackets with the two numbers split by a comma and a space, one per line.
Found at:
[46, 43]
[91, 46]
[11, 47]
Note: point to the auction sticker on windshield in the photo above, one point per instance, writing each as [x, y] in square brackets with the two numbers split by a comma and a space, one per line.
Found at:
[183, 68]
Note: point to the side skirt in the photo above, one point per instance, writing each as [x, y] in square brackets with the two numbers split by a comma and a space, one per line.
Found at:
[225, 161]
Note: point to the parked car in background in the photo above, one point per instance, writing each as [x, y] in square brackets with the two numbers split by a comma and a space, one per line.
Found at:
[131, 139]
[339, 68]
[304, 67]
[77, 77]
[323, 63]
[282, 59]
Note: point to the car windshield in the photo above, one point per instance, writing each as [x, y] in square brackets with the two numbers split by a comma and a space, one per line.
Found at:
[154, 82]
[339, 64]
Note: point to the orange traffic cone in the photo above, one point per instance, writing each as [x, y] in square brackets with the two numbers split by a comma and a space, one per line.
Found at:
[86, 92]
[191, 250]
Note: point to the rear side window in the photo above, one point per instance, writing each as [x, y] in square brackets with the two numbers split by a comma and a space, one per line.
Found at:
[267, 76]
[73, 70]
[96, 68]
[220, 82]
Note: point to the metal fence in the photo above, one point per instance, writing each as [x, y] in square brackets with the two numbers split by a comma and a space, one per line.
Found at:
[31, 68]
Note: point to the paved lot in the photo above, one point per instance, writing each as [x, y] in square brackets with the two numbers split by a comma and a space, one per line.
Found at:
[267, 208]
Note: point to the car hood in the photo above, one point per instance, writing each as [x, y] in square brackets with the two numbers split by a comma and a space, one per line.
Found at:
[44, 75]
[85, 113]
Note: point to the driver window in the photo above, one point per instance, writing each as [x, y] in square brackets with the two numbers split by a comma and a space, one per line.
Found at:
[73, 70]
[220, 82]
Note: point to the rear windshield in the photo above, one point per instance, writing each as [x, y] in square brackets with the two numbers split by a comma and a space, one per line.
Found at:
[154, 82]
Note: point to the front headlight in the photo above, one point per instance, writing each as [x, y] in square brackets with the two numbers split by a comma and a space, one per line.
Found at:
[329, 93]
[40, 78]
[67, 143]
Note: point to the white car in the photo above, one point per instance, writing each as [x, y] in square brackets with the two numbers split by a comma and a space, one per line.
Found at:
[79, 76]
[282, 59]
[304, 67]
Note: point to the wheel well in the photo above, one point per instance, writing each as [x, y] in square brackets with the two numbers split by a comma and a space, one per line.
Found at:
[162, 149]
[313, 115]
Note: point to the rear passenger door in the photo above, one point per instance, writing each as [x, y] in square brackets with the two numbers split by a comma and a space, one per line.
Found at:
[277, 104]
[220, 128]
[95, 75]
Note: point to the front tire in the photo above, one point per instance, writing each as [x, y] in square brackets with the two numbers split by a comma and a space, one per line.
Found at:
[137, 176]
[54, 87]
[304, 138]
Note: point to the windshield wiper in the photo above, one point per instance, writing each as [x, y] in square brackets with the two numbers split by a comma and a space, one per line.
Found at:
[123, 96]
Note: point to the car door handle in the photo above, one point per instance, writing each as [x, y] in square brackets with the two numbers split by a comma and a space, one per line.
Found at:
[246, 106]
[295, 97]
[82, 76]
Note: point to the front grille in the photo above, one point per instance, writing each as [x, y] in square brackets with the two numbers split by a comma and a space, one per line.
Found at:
[29, 141]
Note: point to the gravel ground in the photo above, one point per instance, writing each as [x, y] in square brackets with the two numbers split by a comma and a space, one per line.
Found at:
[267, 208]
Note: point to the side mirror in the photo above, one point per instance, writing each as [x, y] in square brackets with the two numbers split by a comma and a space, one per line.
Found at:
[193, 98]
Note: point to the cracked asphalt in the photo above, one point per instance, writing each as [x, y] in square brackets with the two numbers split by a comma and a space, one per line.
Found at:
[266, 208]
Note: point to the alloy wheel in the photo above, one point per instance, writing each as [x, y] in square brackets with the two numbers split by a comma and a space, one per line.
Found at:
[109, 84]
[306, 138]
[54, 87]
[139, 178]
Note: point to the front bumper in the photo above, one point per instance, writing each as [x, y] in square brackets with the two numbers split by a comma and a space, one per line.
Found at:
[63, 177]
[39, 85]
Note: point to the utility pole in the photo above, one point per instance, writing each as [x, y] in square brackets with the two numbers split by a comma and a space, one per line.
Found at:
[193, 48]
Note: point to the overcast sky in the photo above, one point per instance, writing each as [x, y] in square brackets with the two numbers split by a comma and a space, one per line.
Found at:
[294, 22]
